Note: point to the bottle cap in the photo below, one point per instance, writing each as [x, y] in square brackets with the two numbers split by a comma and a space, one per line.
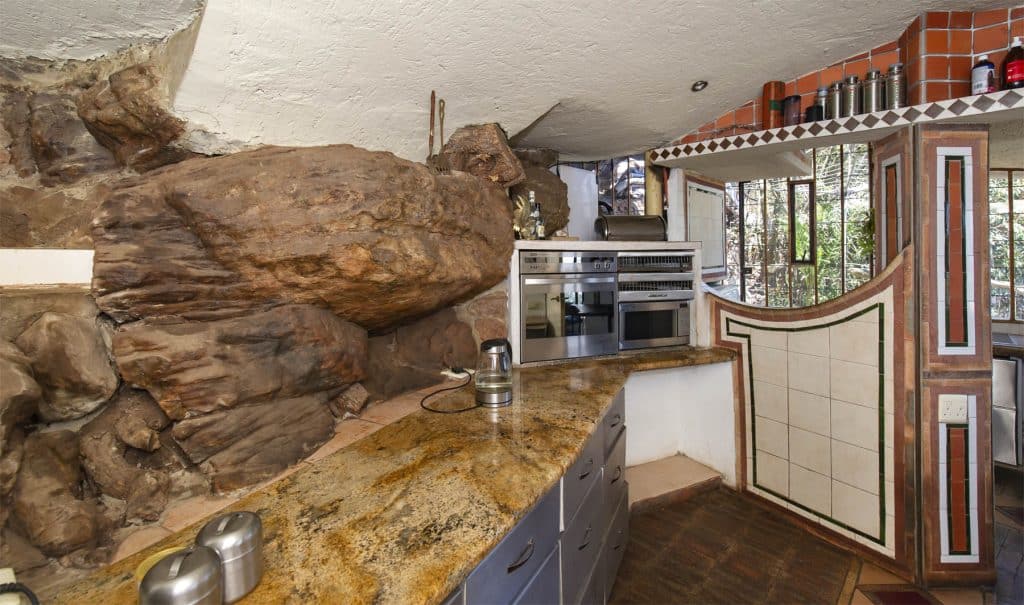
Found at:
[1017, 41]
[982, 58]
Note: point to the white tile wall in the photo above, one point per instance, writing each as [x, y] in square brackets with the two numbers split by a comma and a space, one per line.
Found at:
[855, 466]
[809, 373]
[811, 342]
[809, 412]
[854, 382]
[809, 450]
[772, 436]
[811, 489]
[855, 424]
[769, 365]
[853, 341]
[854, 507]
[772, 339]
[770, 401]
[773, 473]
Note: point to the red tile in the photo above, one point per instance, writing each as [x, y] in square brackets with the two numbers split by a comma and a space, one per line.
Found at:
[745, 115]
[960, 68]
[935, 91]
[807, 99]
[960, 19]
[939, 19]
[708, 127]
[915, 25]
[808, 83]
[960, 41]
[856, 68]
[936, 41]
[884, 48]
[790, 88]
[991, 38]
[690, 138]
[914, 48]
[882, 61]
[1017, 28]
[915, 93]
[936, 68]
[915, 70]
[750, 103]
[831, 74]
[959, 89]
[997, 59]
[991, 17]
[1017, 13]
[856, 57]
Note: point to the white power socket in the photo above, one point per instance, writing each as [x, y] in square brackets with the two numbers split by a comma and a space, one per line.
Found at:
[953, 409]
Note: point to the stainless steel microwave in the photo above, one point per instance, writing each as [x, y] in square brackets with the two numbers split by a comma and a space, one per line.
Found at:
[648, 324]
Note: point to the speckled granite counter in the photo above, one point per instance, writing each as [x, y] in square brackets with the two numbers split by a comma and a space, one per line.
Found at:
[403, 515]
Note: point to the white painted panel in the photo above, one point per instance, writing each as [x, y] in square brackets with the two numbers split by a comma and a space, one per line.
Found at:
[705, 213]
[44, 266]
[582, 195]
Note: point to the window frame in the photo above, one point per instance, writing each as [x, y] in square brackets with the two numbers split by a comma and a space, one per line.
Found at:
[811, 224]
[1010, 233]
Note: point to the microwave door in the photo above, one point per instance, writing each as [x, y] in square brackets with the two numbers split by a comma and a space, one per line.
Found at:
[653, 324]
[568, 316]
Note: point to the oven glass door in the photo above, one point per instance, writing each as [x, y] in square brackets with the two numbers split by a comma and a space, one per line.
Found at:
[566, 316]
[653, 324]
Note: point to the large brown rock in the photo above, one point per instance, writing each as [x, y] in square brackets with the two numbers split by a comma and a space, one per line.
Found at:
[248, 444]
[71, 362]
[19, 392]
[17, 118]
[482, 150]
[21, 306]
[193, 368]
[47, 218]
[126, 113]
[63, 149]
[47, 496]
[13, 451]
[550, 192]
[414, 355]
[376, 239]
[487, 314]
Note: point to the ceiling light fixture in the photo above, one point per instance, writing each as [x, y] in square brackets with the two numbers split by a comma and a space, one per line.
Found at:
[699, 85]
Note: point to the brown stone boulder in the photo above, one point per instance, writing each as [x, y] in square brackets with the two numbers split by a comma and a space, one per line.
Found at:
[71, 363]
[550, 192]
[31, 218]
[126, 113]
[11, 454]
[248, 444]
[48, 505]
[19, 392]
[63, 149]
[545, 158]
[147, 497]
[376, 239]
[487, 314]
[21, 306]
[351, 401]
[17, 118]
[413, 356]
[482, 150]
[193, 368]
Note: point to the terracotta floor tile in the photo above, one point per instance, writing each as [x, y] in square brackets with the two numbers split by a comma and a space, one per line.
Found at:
[958, 596]
[666, 475]
[870, 574]
[146, 536]
[347, 432]
[860, 599]
[181, 514]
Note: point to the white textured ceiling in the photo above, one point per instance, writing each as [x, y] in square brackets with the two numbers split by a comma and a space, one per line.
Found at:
[590, 79]
[87, 29]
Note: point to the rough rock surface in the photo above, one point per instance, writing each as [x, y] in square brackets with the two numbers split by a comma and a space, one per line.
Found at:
[17, 118]
[47, 496]
[197, 367]
[126, 114]
[244, 445]
[376, 239]
[147, 497]
[71, 362]
[47, 218]
[413, 356]
[487, 314]
[19, 392]
[545, 158]
[11, 453]
[351, 401]
[482, 150]
[550, 192]
[63, 149]
[20, 307]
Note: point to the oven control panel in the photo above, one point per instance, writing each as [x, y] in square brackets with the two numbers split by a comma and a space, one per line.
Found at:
[567, 262]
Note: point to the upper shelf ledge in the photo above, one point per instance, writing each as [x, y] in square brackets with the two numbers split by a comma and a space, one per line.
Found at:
[861, 128]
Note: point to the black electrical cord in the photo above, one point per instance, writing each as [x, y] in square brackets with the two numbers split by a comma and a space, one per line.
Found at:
[13, 587]
[469, 379]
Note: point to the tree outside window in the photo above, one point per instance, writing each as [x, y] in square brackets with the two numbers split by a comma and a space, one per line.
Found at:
[1006, 243]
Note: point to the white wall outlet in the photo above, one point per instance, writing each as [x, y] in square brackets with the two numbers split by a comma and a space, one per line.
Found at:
[953, 409]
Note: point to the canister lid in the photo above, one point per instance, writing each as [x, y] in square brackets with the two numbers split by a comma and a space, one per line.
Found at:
[823, 91]
[873, 74]
[852, 79]
[837, 85]
[896, 67]
[232, 535]
[184, 577]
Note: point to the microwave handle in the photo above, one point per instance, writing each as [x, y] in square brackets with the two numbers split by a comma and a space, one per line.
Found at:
[549, 281]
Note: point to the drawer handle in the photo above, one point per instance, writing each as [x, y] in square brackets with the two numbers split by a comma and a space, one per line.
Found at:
[586, 539]
[618, 543]
[616, 421]
[618, 474]
[589, 467]
[523, 557]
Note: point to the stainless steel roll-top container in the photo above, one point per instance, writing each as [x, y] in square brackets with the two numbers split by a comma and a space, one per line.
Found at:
[834, 101]
[644, 228]
[896, 87]
[873, 91]
[851, 97]
[238, 539]
[187, 577]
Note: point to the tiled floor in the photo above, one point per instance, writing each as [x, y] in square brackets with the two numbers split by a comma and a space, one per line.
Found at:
[1008, 494]
[667, 476]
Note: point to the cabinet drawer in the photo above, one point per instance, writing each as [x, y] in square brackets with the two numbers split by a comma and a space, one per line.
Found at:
[614, 477]
[456, 598]
[581, 544]
[581, 475]
[516, 559]
[594, 593]
[615, 420]
[615, 544]
[545, 587]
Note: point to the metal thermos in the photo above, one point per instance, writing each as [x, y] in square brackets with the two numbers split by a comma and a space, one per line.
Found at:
[851, 97]
[872, 91]
[187, 577]
[238, 540]
[896, 87]
[834, 103]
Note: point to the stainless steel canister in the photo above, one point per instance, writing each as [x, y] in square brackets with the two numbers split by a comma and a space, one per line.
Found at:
[851, 97]
[896, 87]
[186, 577]
[238, 539]
[872, 91]
[834, 106]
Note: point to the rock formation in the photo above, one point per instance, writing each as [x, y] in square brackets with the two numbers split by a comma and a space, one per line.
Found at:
[126, 114]
[487, 314]
[376, 239]
[19, 392]
[550, 192]
[482, 150]
[48, 218]
[413, 356]
[70, 361]
[63, 149]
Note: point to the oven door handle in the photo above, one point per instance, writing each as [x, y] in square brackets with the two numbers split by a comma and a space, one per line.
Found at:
[558, 281]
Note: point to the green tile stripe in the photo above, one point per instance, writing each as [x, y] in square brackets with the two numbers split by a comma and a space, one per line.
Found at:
[880, 309]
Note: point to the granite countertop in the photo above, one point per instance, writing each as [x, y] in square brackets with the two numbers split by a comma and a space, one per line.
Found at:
[403, 515]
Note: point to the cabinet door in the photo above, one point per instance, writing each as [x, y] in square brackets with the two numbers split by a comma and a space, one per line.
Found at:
[614, 478]
[614, 421]
[581, 544]
[545, 588]
[580, 477]
[615, 544]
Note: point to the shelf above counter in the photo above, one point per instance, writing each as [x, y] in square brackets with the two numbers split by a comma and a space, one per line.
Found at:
[769, 153]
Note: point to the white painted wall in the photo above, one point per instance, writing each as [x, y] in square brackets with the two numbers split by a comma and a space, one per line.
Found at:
[36, 266]
[685, 411]
[582, 185]
[87, 29]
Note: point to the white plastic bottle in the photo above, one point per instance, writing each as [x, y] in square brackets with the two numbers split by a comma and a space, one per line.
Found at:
[983, 76]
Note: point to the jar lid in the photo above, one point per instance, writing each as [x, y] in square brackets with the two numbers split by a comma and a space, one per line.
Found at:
[852, 79]
[873, 74]
[232, 535]
[823, 91]
[837, 85]
[184, 577]
[895, 67]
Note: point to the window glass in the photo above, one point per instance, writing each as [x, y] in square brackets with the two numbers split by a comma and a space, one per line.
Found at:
[999, 247]
[753, 244]
[620, 182]
[605, 193]
[1017, 192]
[731, 284]
[777, 246]
[636, 184]
[800, 230]
[859, 232]
[828, 221]
[803, 285]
